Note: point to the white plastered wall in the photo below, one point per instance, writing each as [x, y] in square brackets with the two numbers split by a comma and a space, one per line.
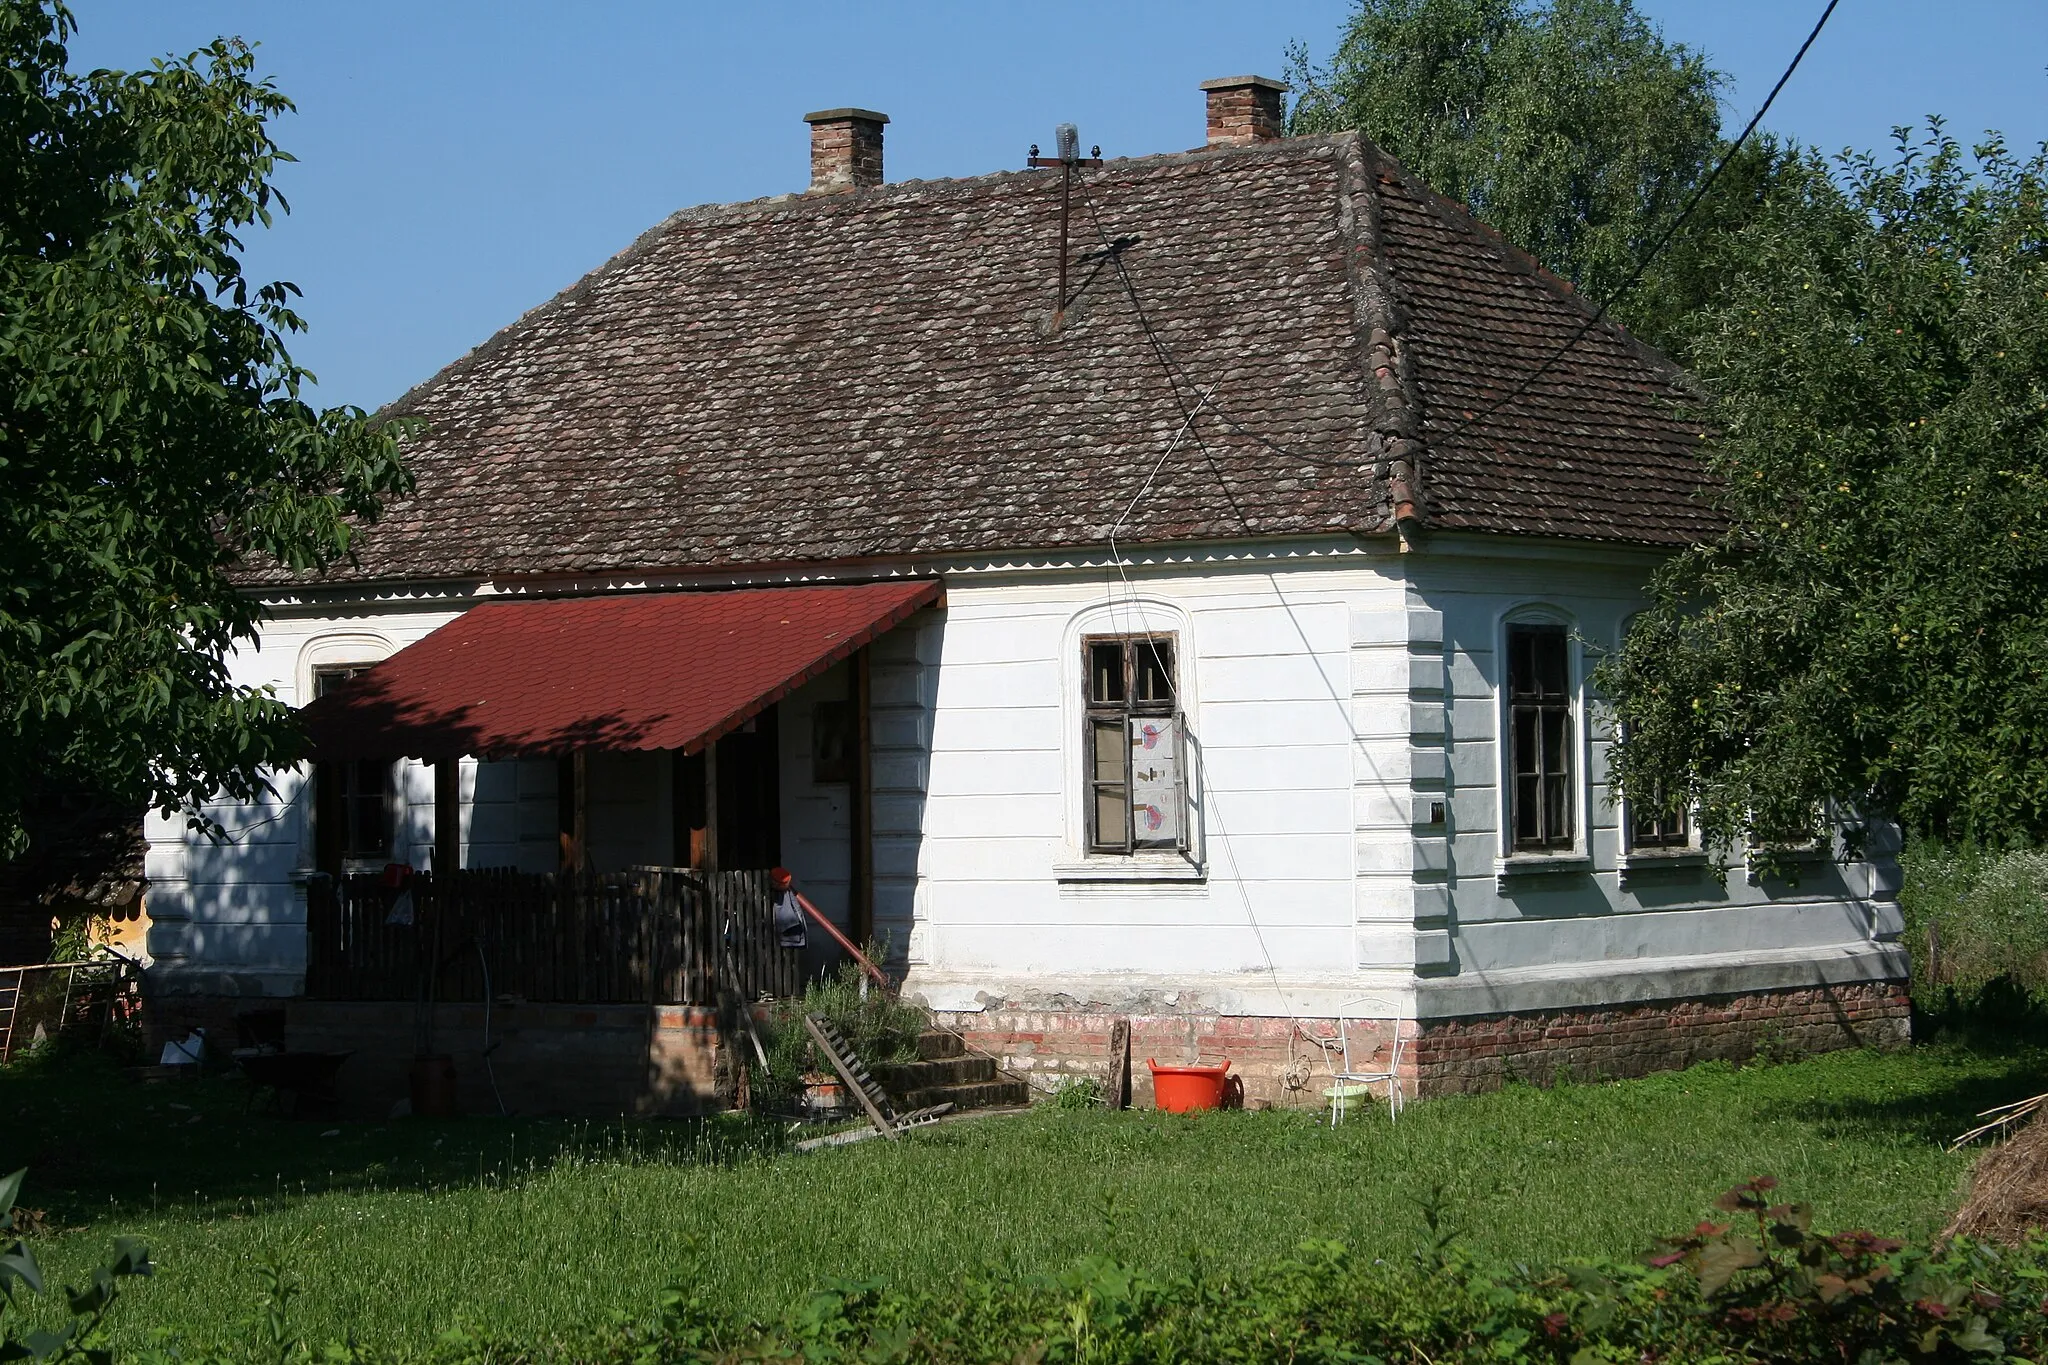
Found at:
[1302, 855]
[229, 916]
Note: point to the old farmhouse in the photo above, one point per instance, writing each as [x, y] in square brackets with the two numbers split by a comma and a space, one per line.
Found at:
[1181, 628]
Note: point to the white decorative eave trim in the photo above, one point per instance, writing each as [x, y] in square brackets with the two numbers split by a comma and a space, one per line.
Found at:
[313, 597]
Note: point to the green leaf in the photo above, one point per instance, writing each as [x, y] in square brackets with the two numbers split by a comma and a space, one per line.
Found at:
[1976, 1340]
[18, 1263]
[1720, 1261]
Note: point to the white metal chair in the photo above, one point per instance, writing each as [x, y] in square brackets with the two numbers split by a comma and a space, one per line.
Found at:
[1354, 1076]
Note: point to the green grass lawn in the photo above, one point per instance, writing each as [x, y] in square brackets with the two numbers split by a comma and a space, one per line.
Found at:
[398, 1231]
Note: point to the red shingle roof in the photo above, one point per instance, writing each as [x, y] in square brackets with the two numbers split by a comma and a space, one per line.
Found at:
[871, 374]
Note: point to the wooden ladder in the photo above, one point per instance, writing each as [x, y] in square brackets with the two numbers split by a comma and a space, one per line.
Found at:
[840, 1054]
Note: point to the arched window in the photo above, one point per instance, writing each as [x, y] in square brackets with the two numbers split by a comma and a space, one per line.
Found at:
[1655, 825]
[1132, 761]
[355, 802]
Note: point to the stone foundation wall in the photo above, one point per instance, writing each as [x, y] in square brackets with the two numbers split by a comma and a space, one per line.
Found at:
[588, 1060]
[1484, 1052]
[1288, 1065]
[1279, 1065]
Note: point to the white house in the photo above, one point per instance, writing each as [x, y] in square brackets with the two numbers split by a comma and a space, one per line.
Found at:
[1207, 647]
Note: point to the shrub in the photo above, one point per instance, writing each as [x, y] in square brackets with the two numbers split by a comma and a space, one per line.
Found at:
[80, 1337]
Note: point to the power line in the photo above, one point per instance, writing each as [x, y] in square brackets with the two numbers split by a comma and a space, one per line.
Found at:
[1699, 194]
[1113, 250]
[1176, 373]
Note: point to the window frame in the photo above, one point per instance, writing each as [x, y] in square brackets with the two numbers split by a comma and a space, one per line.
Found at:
[1555, 769]
[1660, 840]
[1078, 872]
[1511, 857]
[1101, 715]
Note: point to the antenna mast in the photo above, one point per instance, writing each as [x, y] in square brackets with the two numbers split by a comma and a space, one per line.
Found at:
[1067, 140]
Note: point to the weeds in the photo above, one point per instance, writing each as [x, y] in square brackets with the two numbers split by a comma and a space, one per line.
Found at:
[1078, 1092]
[879, 1026]
[1975, 917]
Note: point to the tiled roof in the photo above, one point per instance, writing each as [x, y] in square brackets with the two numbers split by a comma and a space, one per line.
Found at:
[872, 375]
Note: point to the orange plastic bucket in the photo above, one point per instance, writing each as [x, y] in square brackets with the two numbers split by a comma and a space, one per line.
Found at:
[1184, 1089]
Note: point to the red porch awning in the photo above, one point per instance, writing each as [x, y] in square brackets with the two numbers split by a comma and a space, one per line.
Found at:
[627, 671]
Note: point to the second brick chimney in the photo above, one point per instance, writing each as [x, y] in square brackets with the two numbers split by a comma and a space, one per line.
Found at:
[1245, 109]
[846, 149]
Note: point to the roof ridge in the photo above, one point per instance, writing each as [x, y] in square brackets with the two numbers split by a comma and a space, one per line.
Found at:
[1395, 442]
[1523, 262]
[821, 204]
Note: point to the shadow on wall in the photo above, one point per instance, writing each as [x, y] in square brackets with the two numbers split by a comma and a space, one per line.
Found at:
[902, 685]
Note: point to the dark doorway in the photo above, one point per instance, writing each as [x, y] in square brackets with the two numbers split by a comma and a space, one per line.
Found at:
[749, 815]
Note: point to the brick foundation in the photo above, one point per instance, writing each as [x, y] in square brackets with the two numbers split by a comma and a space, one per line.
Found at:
[1279, 1067]
[1484, 1052]
[1286, 1066]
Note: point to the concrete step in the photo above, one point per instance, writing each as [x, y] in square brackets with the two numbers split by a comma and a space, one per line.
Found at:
[896, 1077]
[936, 1045]
[980, 1095]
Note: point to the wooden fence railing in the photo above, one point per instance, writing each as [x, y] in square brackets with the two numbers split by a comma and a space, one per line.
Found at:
[662, 937]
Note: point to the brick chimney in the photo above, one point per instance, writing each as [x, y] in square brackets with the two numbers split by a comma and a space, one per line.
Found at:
[1245, 109]
[846, 149]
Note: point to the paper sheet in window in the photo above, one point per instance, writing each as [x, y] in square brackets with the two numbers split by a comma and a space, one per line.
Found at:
[1155, 780]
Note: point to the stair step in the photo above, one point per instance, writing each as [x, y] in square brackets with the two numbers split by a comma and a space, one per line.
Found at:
[936, 1045]
[979, 1095]
[898, 1077]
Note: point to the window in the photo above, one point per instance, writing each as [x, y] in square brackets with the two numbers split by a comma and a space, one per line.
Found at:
[1132, 744]
[351, 799]
[1541, 801]
[1655, 826]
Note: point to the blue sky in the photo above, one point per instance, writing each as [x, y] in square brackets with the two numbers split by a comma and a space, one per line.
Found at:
[462, 160]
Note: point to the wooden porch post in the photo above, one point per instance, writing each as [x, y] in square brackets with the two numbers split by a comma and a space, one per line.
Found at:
[711, 807]
[572, 800]
[861, 900]
[582, 817]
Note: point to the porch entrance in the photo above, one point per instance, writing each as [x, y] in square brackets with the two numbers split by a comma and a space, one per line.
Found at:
[666, 708]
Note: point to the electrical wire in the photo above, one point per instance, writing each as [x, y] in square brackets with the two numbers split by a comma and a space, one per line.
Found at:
[1698, 195]
[1177, 373]
[1114, 250]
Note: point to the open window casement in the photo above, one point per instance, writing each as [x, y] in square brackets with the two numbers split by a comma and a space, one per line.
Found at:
[1159, 783]
[1137, 748]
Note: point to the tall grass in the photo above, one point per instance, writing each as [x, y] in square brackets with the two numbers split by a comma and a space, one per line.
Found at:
[878, 1026]
[398, 1232]
[1975, 916]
